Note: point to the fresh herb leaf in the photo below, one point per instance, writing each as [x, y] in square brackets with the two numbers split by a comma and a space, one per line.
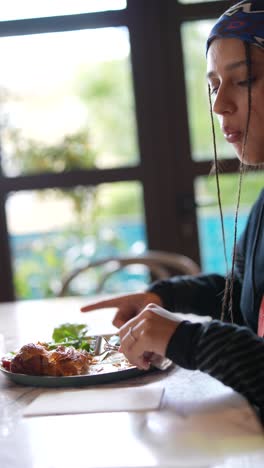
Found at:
[71, 334]
[69, 331]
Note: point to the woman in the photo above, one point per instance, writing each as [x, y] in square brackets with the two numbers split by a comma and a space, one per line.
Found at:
[231, 350]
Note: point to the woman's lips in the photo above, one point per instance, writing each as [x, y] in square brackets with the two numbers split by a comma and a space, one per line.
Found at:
[232, 136]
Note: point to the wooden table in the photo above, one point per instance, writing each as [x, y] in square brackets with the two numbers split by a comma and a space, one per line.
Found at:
[201, 423]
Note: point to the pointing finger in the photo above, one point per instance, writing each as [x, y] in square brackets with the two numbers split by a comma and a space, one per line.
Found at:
[100, 305]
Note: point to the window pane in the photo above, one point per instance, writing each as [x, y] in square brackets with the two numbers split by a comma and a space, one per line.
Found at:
[17, 9]
[210, 236]
[194, 36]
[63, 103]
[63, 230]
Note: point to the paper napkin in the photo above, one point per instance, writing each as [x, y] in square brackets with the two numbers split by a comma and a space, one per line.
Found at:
[55, 402]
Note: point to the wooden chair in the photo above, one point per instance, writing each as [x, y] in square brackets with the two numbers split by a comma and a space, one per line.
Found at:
[160, 264]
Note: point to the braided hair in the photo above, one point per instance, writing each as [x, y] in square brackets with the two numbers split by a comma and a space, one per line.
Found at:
[227, 304]
[244, 21]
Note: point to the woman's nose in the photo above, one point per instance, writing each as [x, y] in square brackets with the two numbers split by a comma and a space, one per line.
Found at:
[224, 102]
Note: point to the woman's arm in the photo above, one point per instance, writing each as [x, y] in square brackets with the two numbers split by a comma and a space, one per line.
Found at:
[201, 295]
[230, 353]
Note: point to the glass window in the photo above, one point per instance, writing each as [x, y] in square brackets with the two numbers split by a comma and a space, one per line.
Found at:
[17, 9]
[63, 99]
[194, 36]
[209, 227]
[53, 232]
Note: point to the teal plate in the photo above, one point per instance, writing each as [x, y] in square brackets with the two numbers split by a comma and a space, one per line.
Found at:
[74, 380]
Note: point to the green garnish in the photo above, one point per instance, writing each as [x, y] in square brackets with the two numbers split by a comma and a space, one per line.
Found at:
[71, 334]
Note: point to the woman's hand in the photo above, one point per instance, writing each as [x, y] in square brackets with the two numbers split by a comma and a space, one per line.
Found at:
[149, 332]
[128, 305]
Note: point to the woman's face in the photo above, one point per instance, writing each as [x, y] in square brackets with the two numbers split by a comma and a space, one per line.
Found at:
[228, 79]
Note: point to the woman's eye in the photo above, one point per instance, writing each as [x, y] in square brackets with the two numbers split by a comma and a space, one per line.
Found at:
[246, 82]
[213, 91]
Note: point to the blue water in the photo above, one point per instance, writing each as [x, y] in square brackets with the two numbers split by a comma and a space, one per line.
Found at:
[211, 242]
[41, 259]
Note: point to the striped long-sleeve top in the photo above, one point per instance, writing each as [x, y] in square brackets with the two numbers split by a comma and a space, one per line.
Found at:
[230, 352]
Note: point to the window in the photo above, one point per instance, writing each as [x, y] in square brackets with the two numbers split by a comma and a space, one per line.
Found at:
[65, 107]
[54, 231]
[68, 127]
[100, 111]
[15, 9]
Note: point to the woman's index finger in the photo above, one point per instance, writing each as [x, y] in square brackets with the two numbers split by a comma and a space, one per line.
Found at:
[100, 305]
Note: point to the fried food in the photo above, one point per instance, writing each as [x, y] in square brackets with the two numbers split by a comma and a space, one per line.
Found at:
[36, 359]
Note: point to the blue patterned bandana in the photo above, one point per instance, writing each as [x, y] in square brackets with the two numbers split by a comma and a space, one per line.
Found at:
[244, 21]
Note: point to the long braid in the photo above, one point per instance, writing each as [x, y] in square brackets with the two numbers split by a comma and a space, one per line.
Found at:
[229, 283]
[241, 172]
[219, 204]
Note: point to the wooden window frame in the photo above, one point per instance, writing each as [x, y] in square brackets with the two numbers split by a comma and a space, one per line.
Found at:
[165, 169]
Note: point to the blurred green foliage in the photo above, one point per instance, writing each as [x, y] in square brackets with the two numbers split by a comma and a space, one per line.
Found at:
[252, 184]
[72, 152]
[194, 35]
[106, 90]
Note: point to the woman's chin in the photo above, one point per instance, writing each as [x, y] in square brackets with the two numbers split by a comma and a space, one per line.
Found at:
[253, 161]
[250, 158]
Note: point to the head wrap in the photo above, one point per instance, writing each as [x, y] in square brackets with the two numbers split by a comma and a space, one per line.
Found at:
[244, 21]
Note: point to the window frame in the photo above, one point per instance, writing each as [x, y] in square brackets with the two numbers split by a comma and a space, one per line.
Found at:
[163, 137]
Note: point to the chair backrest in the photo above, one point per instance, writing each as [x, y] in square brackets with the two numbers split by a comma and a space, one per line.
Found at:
[160, 264]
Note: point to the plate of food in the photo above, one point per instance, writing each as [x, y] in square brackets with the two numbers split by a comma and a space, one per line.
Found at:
[71, 358]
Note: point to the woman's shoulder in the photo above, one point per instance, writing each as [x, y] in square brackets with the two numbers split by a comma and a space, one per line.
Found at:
[261, 195]
[258, 205]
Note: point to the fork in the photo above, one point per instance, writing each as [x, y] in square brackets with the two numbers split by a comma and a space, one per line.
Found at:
[107, 347]
[160, 362]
